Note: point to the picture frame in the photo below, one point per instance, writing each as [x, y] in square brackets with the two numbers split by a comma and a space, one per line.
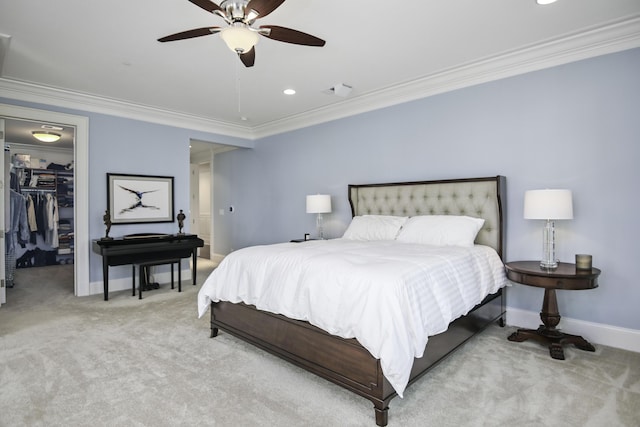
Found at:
[135, 199]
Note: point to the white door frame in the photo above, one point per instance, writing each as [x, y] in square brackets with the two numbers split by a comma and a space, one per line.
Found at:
[81, 184]
[194, 203]
[4, 192]
[195, 161]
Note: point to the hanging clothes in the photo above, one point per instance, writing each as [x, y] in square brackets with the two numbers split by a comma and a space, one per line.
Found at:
[41, 214]
[31, 214]
[15, 181]
[17, 233]
[51, 236]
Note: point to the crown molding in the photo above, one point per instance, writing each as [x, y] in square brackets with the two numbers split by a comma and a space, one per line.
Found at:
[30, 92]
[609, 38]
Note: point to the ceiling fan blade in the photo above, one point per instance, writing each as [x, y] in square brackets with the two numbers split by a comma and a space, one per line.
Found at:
[207, 5]
[196, 32]
[263, 7]
[288, 35]
[248, 58]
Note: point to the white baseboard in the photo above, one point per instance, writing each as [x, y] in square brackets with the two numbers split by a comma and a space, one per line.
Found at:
[217, 257]
[124, 283]
[595, 333]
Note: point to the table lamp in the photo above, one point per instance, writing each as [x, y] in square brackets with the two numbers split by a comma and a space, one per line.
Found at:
[549, 205]
[319, 204]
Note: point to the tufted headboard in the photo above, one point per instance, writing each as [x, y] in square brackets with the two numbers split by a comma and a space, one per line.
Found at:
[477, 197]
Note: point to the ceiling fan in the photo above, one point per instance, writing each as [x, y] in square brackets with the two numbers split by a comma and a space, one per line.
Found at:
[240, 35]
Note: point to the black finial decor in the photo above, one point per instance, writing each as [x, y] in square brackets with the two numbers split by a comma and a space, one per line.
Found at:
[181, 216]
[107, 222]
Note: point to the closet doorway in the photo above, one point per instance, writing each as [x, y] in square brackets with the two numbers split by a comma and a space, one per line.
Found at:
[39, 158]
[75, 253]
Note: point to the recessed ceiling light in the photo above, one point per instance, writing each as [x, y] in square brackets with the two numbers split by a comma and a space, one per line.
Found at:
[543, 2]
[289, 92]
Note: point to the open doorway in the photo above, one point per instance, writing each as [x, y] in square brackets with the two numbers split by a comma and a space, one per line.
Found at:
[39, 160]
[80, 125]
[201, 205]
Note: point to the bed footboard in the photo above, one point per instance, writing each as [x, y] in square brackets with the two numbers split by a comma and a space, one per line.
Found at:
[344, 361]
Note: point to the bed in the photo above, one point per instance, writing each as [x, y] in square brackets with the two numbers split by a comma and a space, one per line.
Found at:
[337, 356]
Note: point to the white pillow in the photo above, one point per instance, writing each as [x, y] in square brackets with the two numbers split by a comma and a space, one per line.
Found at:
[441, 230]
[374, 227]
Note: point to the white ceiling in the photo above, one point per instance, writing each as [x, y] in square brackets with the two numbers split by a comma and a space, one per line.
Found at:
[104, 55]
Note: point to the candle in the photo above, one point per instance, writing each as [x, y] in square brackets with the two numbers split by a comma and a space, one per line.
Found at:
[583, 262]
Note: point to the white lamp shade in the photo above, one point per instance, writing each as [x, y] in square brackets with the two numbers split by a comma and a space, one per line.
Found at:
[548, 204]
[319, 203]
[239, 39]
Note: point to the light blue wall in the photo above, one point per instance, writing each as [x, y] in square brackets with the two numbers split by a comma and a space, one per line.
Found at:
[120, 145]
[575, 126]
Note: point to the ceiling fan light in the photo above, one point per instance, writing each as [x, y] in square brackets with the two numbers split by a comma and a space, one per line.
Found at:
[239, 39]
[45, 136]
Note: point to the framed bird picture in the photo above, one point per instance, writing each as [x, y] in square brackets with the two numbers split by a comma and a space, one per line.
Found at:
[134, 199]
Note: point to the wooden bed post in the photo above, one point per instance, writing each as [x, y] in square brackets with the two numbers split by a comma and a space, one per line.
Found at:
[382, 416]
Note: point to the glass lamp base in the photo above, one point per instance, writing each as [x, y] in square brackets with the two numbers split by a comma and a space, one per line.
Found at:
[319, 227]
[549, 246]
[548, 264]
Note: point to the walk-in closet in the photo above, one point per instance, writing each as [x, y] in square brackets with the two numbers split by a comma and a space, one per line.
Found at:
[39, 219]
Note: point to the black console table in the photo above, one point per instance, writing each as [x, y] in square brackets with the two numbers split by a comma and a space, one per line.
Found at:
[145, 248]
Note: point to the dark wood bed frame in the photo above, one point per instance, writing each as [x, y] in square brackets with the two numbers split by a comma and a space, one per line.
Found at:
[344, 361]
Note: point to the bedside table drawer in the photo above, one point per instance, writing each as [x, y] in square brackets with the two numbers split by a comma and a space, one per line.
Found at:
[564, 277]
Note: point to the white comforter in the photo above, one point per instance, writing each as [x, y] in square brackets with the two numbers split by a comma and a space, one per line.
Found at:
[390, 296]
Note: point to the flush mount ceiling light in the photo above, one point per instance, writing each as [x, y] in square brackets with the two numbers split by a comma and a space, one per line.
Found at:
[44, 136]
[289, 91]
[543, 2]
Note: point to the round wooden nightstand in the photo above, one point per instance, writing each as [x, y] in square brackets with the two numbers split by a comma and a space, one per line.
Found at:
[565, 276]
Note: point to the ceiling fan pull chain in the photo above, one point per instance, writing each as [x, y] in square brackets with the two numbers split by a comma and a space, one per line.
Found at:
[238, 89]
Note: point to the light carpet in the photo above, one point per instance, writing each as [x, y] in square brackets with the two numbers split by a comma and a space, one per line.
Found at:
[67, 361]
